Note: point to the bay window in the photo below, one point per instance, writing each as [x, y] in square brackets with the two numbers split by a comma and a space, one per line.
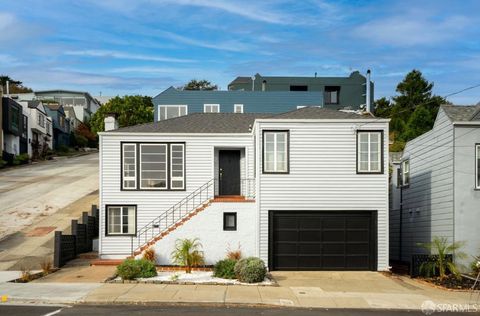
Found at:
[121, 219]
[275, 152]
[369, 152]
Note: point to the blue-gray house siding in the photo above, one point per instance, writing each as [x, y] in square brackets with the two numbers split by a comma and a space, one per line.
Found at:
[252, 101]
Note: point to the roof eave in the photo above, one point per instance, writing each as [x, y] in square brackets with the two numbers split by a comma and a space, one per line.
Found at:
[382, 120]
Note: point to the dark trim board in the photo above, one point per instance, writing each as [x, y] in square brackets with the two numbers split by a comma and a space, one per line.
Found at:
[373, 237]
[106, 220]
[137, 163]
[263, 150]
[382, 139]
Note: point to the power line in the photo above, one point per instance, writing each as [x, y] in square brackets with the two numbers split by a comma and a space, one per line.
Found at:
[463, 90]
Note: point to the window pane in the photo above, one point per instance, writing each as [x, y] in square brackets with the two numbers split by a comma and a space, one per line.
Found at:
[153, 166]
[177, 166]
[129, 166]
[114, 220]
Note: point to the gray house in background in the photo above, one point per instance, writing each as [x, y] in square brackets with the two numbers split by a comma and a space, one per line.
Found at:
[339, 92]
[438, 190]
[173, 102]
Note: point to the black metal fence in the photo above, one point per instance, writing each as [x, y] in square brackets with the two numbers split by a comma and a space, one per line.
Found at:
[418, 260]
[67, 247]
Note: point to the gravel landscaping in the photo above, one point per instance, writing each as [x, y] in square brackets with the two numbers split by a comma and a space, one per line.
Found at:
[196, 277]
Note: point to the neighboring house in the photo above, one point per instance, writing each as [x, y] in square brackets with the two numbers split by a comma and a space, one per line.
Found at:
[37, 122]
[13, 124]
[72, 117]
[339, 92]
[102, 99]
[49, 130]
[173, 102]
[61, 125]
[440, 186]
[302, 190]
[1, 123]
[82, 102]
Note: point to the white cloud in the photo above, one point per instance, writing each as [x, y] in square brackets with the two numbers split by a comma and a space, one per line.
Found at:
[232, 46]
[412, 29]
[122, 55]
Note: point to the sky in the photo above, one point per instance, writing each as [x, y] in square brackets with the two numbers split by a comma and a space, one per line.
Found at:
[118, 47]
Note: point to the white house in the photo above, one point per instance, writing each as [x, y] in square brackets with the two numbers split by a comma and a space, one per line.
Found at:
[37, 125]
[302, 190]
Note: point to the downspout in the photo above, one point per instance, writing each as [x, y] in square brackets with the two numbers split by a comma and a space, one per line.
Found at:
[400, 252]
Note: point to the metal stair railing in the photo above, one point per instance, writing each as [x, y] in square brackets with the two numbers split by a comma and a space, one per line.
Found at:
[173, 215]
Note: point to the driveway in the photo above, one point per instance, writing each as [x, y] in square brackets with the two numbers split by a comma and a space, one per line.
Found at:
[40, 190]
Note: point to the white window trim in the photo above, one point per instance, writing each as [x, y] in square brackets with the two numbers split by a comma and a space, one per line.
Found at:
[172, 178]
[205, 108]
[477, 168]
[235, 108]
[403, 173]
[275, 151]
[380, 153]
[108, 233]
[166, 166]
[179, 106]
[123, 167]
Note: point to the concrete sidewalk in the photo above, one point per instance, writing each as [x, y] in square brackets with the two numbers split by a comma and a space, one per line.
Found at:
[369, 291]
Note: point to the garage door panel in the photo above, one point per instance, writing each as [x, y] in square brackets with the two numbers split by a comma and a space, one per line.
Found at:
[333, 235]
[309, 249]
[359, 235]
[322, 240]
[286, 235]
[310, 235]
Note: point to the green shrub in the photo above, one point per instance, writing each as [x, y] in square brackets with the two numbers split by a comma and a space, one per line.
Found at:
[81, 141]
[225, 269]
[250, 270]
[20, 159]
[131, 269]
[3, 163]
[63, 149]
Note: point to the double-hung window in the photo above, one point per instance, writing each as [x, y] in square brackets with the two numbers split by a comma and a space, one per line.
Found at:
[405, 172]
[121, 219]
[238, 108]
[153, 166]
[477, 164]
[369, 152]
[177, 165]
[170, 111]
[41, 120]
[211, 108]
[275, 151]
[129, 156]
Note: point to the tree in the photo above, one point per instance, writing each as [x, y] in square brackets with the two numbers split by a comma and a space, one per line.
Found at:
[195, 84]
[14, 85]
[130, 110]
[383, 107]
[413, 111]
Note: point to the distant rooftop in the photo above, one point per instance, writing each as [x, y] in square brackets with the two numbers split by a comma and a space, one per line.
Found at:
[462, 113]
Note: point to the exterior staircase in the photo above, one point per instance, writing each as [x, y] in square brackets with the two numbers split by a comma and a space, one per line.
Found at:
[183, 211]
[174, 217]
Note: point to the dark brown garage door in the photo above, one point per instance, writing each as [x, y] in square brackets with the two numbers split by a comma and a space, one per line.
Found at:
[322, 240]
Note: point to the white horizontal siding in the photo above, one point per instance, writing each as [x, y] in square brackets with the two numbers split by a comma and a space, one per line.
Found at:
[199, 151]
[323, 177]
[428, 200]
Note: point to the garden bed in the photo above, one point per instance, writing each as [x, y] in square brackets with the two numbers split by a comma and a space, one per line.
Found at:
[196, 277]
[33, 276]
[453, 283]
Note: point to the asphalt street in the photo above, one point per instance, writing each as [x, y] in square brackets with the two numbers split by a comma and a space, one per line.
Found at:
[147, 310]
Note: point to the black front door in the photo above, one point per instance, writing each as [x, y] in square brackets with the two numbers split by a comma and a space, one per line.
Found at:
[229, 172]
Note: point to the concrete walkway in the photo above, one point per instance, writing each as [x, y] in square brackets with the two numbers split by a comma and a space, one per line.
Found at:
[357, 290]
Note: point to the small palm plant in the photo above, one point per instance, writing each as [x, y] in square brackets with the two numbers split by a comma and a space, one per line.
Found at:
[441, 248]
[187, 253]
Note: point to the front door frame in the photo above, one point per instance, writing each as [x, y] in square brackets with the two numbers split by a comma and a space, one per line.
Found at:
[221, 190]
